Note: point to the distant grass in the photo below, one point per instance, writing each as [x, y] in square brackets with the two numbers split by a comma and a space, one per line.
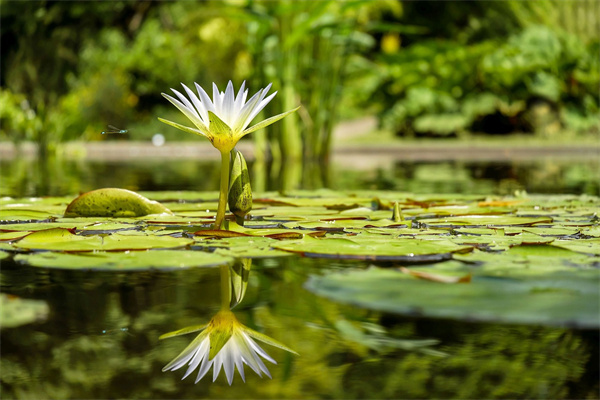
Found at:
[385, 137]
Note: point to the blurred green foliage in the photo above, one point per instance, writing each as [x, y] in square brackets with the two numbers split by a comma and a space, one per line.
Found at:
[494, 68]
[428, 68]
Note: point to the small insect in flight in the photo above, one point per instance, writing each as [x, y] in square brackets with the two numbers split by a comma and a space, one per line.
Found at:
[114, 129]
[113, 331]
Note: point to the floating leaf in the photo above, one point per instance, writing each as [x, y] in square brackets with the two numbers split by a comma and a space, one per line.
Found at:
[126, 261]
[588, 246]
[482, 221]
[560, 298]
[400, 249]
[60, 239]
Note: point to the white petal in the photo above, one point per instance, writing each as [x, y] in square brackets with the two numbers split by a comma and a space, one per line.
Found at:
[240, 366]
[200, 355]
[259, 363]
[228, 102]
[217, 100]
[206, 101]
[186, 355]
[228, 361]
[258, 349]
[248, 357]
[187, 103]
[217, 362]
[199, 106]
[239, 100]
[206, 364]
[240, 123]
[191, 114]
[258, 109]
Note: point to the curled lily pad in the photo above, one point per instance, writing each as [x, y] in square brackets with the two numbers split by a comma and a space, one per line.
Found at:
[112, 202]
[16, 311]
[126, 261]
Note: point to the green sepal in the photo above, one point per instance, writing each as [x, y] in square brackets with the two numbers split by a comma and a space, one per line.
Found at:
[217, 126]
[183, 127]
[184, 331]
[268, 121]
[218, 338]
[266, 339]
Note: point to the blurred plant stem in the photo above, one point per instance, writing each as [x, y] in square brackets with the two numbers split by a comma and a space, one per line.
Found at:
[303, 48]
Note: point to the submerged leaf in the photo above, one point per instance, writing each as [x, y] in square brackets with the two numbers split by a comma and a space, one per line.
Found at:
[437, 277]
[15, 311]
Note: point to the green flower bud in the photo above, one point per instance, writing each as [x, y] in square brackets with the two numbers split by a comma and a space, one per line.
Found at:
[240, 192]
[239, 273]
[397, 213]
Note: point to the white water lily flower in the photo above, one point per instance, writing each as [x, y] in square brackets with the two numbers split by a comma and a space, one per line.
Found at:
[226, 343]
[225, 118]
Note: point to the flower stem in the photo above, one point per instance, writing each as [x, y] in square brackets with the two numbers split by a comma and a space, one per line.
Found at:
[223, 190]
[225, 287]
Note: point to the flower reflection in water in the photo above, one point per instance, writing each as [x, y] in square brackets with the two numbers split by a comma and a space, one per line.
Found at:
[224, 341]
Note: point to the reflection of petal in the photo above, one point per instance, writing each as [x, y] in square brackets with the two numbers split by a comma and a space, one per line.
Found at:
[239, 349]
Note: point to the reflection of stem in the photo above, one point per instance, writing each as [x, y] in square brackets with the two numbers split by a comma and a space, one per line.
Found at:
[225, 287]
[223, 190]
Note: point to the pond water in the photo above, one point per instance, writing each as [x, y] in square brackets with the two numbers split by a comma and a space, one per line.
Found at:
[100, 339]
[59, 177]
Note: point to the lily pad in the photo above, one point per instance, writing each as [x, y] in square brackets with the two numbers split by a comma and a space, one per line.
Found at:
[16, 311]
[59, 239]
[482, 221]
[400, 249]
[126, 261]
[588, 246]
[113, 202]
[559, 298]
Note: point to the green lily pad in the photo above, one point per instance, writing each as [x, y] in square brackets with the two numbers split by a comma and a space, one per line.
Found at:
[400, 249]
[113, 202]
[16, 311]
[3, 255]
[482, 221]
[588, 246]
[92, 224]
[25, 215]
[60, 239]
[244, 247]
[558, 298]
[126, 261]
[500, 242]
[11, 236]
